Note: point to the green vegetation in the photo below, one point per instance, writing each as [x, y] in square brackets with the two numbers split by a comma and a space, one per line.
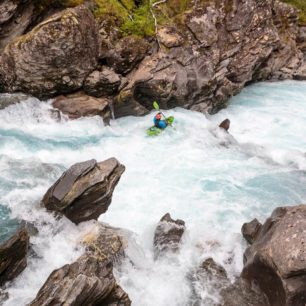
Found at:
[301, 5]
[134, 17]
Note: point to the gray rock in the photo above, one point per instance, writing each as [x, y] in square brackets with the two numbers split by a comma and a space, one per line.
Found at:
[13, 255]
[102, 83]
[10, 99]
[276, 260]
[88, 281]
[85, 190]
[226, 46]
[168, 235]
[78, 105]
[55, 57]
[250, 230]
[126, 54]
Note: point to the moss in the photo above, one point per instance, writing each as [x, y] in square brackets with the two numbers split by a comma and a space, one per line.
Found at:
[301, 5]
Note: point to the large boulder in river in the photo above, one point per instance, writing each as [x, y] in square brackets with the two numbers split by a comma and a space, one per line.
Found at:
[85, 190]
[13, 255]
[79, 104]
[55, 57]
[87, 281]
[276, 260]
[168, 235]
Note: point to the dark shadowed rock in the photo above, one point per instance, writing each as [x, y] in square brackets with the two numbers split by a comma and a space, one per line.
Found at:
[250, 230]
[276, 260]
[81, 105]
[225, 124]
[126, 54]
[168, 235]
[102, 83]
[55, 57]
[85, 190]
[88, 281]
[13, 255]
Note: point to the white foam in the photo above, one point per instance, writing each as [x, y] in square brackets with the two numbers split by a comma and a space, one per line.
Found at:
[198, 173]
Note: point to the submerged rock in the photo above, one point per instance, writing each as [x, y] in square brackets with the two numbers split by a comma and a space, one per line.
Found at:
[11, 99]
[211, 278]
[250, 230]
[225, 124]
[276, 260]
[85, 190]
[168, 235]
[13, 255]
[55, 57]
[78, 105]
[241, 294]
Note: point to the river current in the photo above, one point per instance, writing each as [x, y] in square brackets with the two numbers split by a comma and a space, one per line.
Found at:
[212, 180]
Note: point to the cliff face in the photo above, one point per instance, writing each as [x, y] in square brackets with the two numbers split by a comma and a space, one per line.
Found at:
[198, 60]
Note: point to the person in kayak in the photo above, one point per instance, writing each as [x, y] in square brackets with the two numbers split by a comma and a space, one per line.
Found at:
[158, 122]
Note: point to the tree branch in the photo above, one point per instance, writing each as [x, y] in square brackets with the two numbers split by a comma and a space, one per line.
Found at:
[152, 6]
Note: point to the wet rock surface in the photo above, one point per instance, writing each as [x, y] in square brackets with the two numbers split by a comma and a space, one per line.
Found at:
[168, 235]
[13, 255]
[79, 105]
[276, 260]
[53, 58]
[85, 190]
[10, 99]
[250, 230]
[198, 64]
[89, 280]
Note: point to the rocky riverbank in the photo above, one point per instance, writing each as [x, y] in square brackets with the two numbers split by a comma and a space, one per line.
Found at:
[211, 53]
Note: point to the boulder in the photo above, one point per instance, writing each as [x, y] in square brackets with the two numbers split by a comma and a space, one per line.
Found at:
[87, 281]
[126, 54]
[168, 235]
[102, 83]
[78, 105]
[55, 57]
[250, 230]
[212, 279]
[240, 293]
[13, 255]
[85, 190]
[276, 260]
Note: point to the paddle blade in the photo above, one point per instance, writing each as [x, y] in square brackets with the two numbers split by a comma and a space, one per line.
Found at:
[155, 105]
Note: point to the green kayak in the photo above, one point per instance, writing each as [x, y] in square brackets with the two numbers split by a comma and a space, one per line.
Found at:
[155, 131]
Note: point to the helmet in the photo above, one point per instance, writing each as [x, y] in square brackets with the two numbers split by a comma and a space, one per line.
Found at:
[158, 116]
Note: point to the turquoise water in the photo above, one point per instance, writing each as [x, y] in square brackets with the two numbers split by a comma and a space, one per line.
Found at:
[213, 180]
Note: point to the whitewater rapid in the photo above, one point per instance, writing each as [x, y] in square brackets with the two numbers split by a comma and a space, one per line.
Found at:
[212, 180]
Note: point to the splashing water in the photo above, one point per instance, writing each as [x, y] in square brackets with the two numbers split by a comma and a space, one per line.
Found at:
[212, 180]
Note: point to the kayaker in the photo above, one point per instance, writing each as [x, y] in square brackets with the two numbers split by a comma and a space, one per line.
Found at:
[158, 122]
